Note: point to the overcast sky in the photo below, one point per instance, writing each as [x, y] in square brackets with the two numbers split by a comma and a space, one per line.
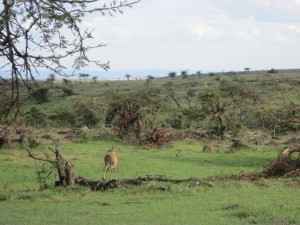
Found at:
[205, 35]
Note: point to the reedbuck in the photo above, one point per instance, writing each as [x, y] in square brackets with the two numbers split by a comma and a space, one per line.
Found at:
[111, 162]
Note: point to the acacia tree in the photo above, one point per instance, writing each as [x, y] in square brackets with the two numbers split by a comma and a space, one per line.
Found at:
[33, 36]
[281, 111]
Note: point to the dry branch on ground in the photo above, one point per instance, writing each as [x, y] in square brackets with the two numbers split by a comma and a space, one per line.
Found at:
[105, 185]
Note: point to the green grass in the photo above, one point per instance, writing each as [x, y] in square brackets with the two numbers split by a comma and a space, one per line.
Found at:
[273, 201]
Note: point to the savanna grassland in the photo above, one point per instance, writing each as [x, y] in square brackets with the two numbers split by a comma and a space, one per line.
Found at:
[158, 127]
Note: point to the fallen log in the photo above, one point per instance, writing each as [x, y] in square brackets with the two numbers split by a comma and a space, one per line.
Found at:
[114, 183]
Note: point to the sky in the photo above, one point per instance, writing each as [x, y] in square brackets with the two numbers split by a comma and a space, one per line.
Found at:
[200, 35]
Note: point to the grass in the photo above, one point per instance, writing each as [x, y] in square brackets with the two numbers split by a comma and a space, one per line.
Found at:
[273, 201]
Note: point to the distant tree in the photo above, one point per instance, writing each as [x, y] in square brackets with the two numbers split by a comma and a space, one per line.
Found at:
[94, 78]
[273, 71]
[198, 73]
[172, 75]
[149, 78]
[84, 76]
[66, 81]
[247, 69]
[184, 74]
[127, 76]
[33, 38]
[51, 78]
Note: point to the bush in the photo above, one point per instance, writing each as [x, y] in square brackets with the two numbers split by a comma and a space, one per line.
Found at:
[67, 91]
[40, 95]
[83, 135]
[35, 118]
[63, 118]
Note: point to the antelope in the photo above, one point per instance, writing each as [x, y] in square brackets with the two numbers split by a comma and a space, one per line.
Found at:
[111, 162]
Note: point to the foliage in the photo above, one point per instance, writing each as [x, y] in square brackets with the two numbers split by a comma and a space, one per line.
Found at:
[172, 75]
[84, 76]
[94, 78]
[34, 37]
[127, 76]
[272, 71]
[51, 78]
[67, 91]
[88, 113]
[40, 95]
[83, 135]
[34, 117]
[149, 78]
[33, 142]
[184, 74]
[134, 112]
[63, 118]
[269, 102]
[45, 176]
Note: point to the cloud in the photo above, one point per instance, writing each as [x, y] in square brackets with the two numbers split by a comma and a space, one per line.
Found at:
[281, 38]
[261, 10]
[172, 34]
[294, 5]
[248, 34]
[294, 28]
[203, 31]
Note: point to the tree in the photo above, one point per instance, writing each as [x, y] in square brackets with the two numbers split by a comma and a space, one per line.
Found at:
[172, 75]
[135, 112]
[273, 71]
[94, 78]
[84, 76]
[198, 73]
[127, 76]
[33, 37]
[149, 78]
[247, 69]
[64, 168]
[184, 74]
[51, 78]
[281, 111]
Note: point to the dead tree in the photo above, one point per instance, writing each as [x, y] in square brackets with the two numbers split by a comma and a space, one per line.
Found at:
[287, 162]
[65, 169]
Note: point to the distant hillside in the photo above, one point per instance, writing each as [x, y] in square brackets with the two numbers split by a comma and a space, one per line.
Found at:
[139, 74]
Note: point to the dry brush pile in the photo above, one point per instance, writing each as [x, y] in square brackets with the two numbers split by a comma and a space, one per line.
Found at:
[287, 163]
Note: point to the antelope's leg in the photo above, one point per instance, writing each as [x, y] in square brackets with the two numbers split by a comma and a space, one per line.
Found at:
[105, 169]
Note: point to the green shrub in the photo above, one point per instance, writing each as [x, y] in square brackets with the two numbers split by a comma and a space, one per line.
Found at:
[63, 118]
[34, 117]
[83, 135]
[40, 95]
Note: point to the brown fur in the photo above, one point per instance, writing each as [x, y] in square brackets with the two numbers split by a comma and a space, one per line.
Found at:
[111, 162]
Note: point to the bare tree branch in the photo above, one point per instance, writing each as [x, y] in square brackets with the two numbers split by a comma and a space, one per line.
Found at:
[33, 37]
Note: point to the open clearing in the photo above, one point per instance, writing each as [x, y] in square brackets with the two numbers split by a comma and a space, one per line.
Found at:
[265, 201]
